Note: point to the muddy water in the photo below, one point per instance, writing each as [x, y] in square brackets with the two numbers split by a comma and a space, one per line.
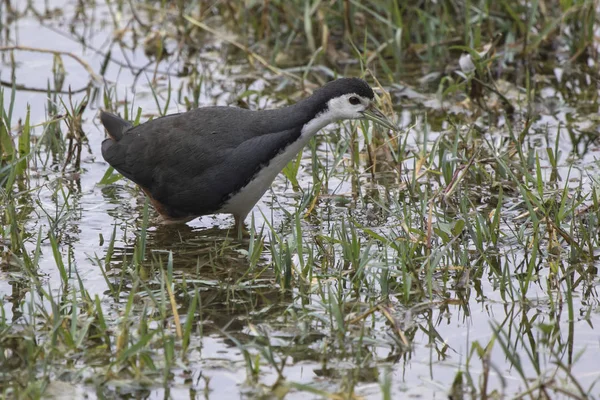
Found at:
[94, 211]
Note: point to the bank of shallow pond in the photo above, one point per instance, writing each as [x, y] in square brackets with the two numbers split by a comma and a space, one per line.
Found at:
[457, 258]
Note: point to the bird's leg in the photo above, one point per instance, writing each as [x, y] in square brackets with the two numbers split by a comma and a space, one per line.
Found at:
[240, 228]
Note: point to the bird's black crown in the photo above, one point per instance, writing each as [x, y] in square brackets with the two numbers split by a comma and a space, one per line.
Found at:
[343, 86]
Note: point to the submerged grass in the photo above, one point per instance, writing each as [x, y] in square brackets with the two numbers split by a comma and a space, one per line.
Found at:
[466, 244]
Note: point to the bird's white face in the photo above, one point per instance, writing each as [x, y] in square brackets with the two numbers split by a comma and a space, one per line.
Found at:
[354, 106]
[347, 106]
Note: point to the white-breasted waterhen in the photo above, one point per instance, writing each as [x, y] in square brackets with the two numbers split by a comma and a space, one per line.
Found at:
[223, 159]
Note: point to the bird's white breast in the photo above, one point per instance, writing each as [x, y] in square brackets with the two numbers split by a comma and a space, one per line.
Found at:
[244, 200]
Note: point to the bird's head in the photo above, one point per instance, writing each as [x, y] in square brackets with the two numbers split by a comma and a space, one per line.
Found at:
[351, 98]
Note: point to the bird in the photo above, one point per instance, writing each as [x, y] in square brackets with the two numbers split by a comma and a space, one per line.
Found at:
[222, 159]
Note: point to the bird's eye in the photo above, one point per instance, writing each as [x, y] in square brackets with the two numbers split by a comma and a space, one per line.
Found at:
[354, 100]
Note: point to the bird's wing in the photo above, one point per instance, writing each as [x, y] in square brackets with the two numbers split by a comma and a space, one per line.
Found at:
[231, 171]
[192, 164]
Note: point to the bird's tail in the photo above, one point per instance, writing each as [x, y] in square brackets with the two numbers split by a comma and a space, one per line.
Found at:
[115, 125]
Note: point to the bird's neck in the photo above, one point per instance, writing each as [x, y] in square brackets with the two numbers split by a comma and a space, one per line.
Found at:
[310, 115]
[318, 122]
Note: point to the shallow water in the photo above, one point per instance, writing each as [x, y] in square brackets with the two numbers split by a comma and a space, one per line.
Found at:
[442, 325]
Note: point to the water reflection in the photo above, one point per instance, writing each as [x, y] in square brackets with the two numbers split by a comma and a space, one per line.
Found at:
[209, 261]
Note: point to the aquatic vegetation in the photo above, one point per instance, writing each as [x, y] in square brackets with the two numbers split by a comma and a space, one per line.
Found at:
[456, 258]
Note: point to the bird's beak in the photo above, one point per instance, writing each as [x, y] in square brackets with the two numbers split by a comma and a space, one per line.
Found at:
[372, 113]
